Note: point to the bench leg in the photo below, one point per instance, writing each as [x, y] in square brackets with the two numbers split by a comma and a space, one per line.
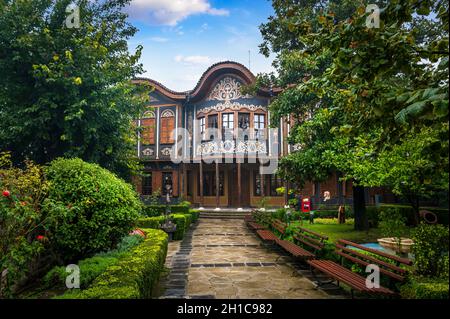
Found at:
[317, 280]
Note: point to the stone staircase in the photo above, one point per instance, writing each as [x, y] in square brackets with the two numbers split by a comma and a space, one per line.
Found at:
[224, 213]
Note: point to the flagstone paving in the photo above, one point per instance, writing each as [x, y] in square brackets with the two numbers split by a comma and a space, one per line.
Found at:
[221, 258]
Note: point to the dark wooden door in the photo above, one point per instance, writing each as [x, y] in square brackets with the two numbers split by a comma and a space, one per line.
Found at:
[233, 188]
[245, 187]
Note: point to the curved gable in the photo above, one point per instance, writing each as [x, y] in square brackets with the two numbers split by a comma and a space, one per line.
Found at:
[208, 80]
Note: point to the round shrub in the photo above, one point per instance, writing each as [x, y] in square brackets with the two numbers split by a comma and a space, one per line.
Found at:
[91, 208]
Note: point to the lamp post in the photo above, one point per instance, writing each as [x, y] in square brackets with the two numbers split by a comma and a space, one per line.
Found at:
[168, 226]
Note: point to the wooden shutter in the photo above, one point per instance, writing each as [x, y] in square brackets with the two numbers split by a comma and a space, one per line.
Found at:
[167, 126]
[148, 132]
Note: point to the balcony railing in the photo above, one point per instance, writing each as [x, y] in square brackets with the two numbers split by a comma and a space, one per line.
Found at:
[232, 147]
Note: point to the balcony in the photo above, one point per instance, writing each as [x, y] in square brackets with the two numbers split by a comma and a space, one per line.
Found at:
[231, 147]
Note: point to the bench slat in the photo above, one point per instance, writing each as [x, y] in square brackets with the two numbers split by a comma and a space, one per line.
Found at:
[313, 232]
[364, 263]
[377, 252]
[307, 243]
[310, 239]
[346, 276]
[295, 250]
[255, 226]
[266, 235]
[375, 260]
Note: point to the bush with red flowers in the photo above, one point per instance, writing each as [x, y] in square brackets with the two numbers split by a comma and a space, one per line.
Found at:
[21, 222]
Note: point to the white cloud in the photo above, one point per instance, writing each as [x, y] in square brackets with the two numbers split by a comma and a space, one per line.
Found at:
[159, 39]
[170, 12]
[193, 60]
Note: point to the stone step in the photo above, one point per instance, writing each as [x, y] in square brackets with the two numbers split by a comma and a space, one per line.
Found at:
[219, 215]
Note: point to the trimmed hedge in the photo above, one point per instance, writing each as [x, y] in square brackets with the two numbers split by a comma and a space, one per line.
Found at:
[425, 288]
[133, 276]
[183, 221]
[91, 268]
[195, 215]
[158, 210]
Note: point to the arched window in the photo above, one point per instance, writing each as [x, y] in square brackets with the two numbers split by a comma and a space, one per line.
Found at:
[167, 127]
[148, 124]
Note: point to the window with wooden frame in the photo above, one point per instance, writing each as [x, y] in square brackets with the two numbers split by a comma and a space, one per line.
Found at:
[244, 125]
[213, 125]
[147, 184]
[148, 124]
[227, 126]
[257, 185]
[209, 184]
[259, 125]
[202, 121]
[275, 182]
[167, 127]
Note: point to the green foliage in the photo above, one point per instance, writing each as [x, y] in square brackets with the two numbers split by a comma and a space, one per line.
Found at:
[68, 91]
[134, 275]
[94, 209]
[392, 224]
[373, 213]
[183, 221]
[93, 267]
[158, 210]
[430, 249]
[21, 221]
[425, 288]
[195, 215]
[364, 101]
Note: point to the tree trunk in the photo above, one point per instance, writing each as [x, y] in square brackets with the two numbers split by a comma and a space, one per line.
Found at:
[415, 203]
[359, 207]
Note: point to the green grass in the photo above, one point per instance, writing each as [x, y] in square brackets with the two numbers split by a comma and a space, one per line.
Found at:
[336, 232]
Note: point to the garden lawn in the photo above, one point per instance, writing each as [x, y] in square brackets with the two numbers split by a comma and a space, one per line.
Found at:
[345, 231]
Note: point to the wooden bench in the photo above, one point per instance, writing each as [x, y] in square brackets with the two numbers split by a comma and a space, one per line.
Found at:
[279, 226]
[355, 281]
[248, 218]
[267, 235]
[308, 239]
[255, 226]
[252, 220]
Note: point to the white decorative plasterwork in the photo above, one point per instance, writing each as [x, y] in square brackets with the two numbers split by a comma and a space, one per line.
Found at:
[148, 152]
[167, 113]
[166, 151]
[149, 115]
[230, 147]
[233, 106]
[227, 89]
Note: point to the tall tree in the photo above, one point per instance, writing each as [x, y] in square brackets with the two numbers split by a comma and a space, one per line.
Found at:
[384, 92]
[65, 90]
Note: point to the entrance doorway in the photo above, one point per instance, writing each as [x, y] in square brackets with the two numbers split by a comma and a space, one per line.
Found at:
[233, 188]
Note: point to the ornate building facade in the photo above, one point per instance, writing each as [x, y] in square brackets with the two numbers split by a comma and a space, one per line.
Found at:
[213, 147]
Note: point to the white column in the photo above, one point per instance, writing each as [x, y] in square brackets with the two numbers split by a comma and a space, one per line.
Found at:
[176, 131]
[268, 131]
[157, 133]
[194, 132]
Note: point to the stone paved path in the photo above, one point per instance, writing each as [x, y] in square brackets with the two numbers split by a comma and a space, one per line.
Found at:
[222, 259]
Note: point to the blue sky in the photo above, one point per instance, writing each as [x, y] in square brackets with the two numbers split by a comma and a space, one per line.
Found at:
[182, 38]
